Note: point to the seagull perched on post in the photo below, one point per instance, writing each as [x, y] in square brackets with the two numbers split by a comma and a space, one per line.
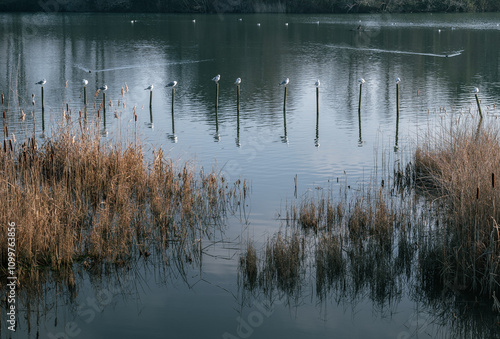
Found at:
[285, 82]
[317, 83]
[398, 80]
[149, 88]
[238, 81]
[103, 88]
[361, 80]
[85, 82]
[41, 82]
[216, 78]
[476, 90]
[171, 84]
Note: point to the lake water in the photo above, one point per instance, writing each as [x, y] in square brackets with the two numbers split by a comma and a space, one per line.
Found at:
[439, 59]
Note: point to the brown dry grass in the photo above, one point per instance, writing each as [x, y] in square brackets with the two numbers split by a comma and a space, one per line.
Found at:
[76, 196]
[458, 170]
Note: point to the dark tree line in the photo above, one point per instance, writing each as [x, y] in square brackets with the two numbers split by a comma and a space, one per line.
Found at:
[251, 6]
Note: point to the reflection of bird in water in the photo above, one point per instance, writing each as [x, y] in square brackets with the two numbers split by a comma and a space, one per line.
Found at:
[359, 28]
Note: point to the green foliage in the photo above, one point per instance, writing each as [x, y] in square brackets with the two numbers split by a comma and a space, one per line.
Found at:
[251, 6]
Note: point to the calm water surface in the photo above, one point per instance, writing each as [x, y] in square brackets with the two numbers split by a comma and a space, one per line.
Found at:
[439, 58]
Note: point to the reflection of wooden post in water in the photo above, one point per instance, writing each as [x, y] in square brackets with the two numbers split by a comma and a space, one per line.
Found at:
[151, 115]
[316, 141]
[43, 120]
[150, 99]
[216, 96]
[285, 138]
[476, 90]
[360, 142]
[238, 144]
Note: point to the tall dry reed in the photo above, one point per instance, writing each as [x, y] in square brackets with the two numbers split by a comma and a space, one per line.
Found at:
[78, 197]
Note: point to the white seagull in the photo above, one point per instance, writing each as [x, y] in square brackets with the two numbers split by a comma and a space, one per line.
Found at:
[85, 82]
[258, 24]
[285, 82]
[361, 80]
[104, 88]
[398, 80]
[476, 90]
[41, 82]
[317, 83]
[171, 84]
[149, 88]
[238, 81]
[216, 78]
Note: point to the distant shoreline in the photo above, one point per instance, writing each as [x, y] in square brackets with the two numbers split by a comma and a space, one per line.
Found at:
[250, 6]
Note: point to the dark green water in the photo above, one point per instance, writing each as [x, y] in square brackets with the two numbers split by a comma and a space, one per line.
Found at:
[439, 59]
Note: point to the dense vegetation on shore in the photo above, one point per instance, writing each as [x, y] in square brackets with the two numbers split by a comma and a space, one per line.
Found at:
[251, 6]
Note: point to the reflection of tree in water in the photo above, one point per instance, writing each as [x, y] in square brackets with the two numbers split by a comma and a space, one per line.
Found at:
[369, 247]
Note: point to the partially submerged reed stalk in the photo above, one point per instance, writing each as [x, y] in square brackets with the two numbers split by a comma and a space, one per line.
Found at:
[76, 197]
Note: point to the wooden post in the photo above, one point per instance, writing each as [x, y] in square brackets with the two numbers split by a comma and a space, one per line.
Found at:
[216, 95]
[150, 99]
[173, 100]
[284, 100]
[479, 106]
[317, 101]
[397, 116]
[43, 99]
[360, 91]
[397, 99]
[85, 101]
[238, 98]
[104, 102]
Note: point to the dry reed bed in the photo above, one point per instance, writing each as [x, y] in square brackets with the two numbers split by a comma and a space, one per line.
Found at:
[457, 170]
[77, 197]
[433, 225]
